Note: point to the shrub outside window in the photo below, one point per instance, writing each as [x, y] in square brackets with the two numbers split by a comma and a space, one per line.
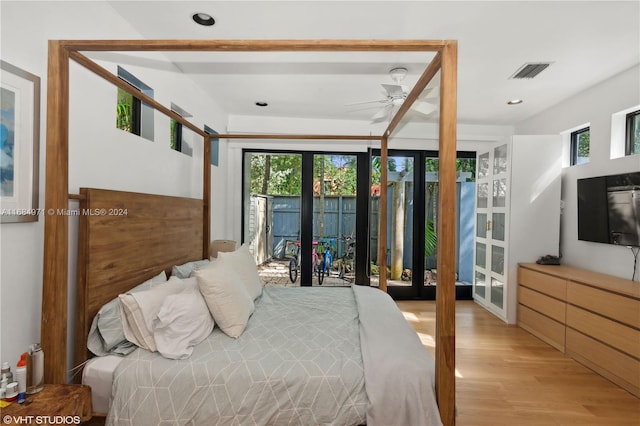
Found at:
[580, 140]
[128, 112]
[176, 135]
[132, 115]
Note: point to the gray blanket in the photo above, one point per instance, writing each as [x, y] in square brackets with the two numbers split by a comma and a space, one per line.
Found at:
[299, 362]
[399, 372]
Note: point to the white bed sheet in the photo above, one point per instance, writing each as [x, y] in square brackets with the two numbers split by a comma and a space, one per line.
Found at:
[98, 373]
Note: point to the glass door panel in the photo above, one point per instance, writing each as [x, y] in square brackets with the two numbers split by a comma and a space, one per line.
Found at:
[497, 293]
[499, 193]
[497, 226]
[483, 165]
[500, 160]
[492, 202]
[483, 195]
[481, 255]
[399, 220]
[480, 284]
[272, 205]
[481, 225]
[334, 219]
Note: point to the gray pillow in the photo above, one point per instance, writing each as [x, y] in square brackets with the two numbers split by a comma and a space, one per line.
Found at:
[185, 270]
[106, 336]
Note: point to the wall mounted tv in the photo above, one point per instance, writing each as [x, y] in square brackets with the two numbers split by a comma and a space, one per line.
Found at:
[609, 209]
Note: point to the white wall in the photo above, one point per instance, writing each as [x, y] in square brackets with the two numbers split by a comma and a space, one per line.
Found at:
[99, 154]
[595, 106]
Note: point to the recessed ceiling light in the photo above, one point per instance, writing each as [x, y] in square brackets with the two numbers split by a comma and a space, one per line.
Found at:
[261, 104]
[203, 19]
[514, 102]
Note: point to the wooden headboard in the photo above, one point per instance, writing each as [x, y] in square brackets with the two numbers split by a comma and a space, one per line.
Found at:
[125, 238]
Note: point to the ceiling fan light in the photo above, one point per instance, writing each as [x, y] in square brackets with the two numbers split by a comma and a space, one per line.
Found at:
[398, 74]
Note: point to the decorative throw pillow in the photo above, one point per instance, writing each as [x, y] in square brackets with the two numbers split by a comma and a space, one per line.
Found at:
[106, 335]
[185, 270]
[183, 322]
[141, 308]
[244, 265]
[226, 297]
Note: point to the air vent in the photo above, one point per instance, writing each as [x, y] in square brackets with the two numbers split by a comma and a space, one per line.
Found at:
[530, 70]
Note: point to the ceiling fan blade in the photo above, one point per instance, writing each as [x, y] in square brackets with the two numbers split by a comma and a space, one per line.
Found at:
[382, 114]
[394, 89]
[379, 101]
[424, 108]
[430, 93]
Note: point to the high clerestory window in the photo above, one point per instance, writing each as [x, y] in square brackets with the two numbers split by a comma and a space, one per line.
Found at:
[132, 115]
[632, 145]
[176, 140]
[580, 140]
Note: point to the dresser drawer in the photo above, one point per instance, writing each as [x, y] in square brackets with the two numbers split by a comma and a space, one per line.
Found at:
[547, 284]
[546, 305]
[619, 336]
[611, 305]
[542, 327]
[614, 365]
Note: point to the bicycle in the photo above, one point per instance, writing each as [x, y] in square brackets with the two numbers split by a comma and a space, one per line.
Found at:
[318, 263]
[347, 259]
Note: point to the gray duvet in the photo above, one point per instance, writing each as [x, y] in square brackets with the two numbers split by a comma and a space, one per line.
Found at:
[299, 362]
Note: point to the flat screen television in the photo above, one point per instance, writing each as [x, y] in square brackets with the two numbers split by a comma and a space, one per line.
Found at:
[609, 209]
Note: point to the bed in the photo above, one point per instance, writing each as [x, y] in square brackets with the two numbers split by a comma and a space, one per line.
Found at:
[307, 356]
[99, 263]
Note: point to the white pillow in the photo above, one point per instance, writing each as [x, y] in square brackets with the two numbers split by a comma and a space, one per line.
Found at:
[183, 322]
[107, 335]
[141, 308]
[226, 297]
[244, 265]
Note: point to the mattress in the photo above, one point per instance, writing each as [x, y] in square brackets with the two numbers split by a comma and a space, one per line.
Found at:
[98, 373]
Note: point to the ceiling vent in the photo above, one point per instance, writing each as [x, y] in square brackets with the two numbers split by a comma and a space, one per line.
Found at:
[530, 70]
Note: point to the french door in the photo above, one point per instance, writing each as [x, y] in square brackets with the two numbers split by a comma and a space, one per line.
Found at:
[492, 203]
[316, 198]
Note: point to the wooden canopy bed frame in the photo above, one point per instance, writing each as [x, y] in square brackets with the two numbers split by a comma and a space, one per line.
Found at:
[98, 281]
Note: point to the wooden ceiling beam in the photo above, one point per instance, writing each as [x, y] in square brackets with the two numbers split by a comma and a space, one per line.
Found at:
[255, 45]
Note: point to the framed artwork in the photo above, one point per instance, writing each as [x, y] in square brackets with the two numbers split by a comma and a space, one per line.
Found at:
[19, 144]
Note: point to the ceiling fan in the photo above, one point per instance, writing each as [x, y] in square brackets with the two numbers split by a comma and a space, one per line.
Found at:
[396, 94]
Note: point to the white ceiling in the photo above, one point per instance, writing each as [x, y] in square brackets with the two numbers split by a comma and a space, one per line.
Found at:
[586, 41]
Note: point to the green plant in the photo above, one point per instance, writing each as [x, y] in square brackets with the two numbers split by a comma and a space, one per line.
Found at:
[124, 111]
[430, 238]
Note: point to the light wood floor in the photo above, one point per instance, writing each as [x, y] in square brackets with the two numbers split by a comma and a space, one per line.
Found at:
[506, 376]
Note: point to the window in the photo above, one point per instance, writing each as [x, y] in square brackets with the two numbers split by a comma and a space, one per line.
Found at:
[176, 135]
[633, 133]
[215, 142]
[132, 115]
[176, 139]
[128, 113]
[580, 146]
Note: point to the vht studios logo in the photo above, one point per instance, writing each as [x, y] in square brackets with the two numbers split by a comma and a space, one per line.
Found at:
[40, 420]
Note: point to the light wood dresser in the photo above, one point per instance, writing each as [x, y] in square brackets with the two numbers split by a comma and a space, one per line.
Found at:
[593, 318]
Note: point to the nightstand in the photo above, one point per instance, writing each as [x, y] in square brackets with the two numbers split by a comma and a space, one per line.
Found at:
[53, 400]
